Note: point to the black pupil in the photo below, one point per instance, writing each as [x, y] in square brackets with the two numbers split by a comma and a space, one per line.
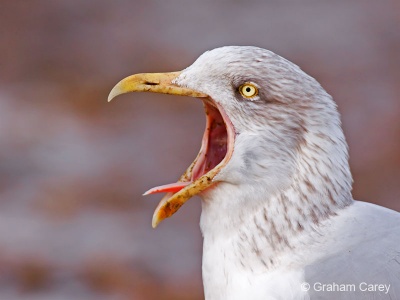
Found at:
[248, 89]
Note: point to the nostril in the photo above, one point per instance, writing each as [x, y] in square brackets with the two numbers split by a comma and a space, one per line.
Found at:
[150, 83]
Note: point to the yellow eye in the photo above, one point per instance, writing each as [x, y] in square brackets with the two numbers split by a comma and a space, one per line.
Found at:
[248, 90]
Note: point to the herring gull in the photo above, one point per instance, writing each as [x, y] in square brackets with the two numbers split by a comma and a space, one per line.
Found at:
[278, 218]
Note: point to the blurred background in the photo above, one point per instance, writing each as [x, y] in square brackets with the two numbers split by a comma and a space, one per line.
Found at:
[73, 223]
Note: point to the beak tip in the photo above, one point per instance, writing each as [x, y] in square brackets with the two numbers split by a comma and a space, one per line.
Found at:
[155, 222]
[114, 92]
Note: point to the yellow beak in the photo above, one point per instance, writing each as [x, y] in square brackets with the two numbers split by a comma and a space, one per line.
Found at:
[164, 83]
[154, 83]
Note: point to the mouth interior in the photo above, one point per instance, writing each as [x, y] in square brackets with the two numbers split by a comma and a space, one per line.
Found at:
[214, 143]
[214, 148]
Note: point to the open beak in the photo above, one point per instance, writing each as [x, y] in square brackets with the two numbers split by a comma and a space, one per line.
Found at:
[216, 148]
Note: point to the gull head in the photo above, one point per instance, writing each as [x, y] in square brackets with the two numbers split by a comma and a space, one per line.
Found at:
[270, 127]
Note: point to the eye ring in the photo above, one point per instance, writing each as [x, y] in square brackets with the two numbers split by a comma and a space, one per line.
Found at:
[248, 90]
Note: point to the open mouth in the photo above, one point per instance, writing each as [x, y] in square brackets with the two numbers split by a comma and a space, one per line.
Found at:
[214, 144]
[216, 147]
[216, 150]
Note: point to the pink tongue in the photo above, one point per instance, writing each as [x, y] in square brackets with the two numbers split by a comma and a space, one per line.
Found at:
[172, 187]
